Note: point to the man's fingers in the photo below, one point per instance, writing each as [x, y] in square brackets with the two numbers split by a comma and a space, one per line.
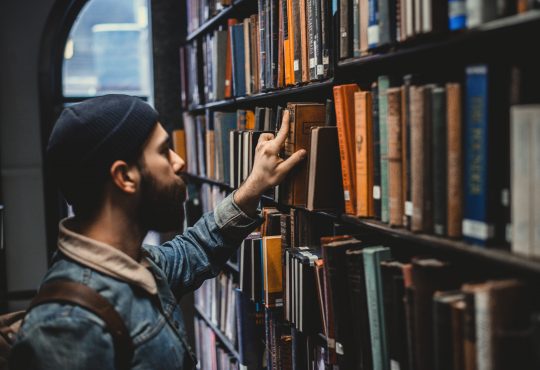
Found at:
[292, 161]
[284, 129]
[265, 137]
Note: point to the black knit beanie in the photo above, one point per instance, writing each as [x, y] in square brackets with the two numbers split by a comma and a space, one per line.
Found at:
[89, 136]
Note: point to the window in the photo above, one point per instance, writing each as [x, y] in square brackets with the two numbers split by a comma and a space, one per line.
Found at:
[108, 50]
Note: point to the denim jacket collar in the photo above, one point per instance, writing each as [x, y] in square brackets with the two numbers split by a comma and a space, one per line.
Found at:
[105, 258]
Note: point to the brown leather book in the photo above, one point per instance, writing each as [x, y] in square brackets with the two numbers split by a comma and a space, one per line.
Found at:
[364, 22]
[304, 41]
[228, 66]
[405, 135]
[395, 164]
[364, 154]
[254, 20]
[344, 105]
[469, 325]
[418, 143]
[458, 317]
[295, 35]
[303, 116]
[454, 160]
[324, 192]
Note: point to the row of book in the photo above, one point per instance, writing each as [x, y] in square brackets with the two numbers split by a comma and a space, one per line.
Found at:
[369, 24]
[263, 52]
[211, 353]
[215, 299]
[199, 11]
[346, 302]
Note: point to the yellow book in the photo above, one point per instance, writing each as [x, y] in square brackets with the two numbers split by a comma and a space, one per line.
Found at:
[179, 143]
[250, 120]
[273, 286]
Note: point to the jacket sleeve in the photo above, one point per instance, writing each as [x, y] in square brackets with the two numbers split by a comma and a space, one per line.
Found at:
[201, 252]
[66, 342]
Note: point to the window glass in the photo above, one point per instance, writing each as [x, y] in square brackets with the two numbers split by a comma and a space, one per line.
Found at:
[108, 50]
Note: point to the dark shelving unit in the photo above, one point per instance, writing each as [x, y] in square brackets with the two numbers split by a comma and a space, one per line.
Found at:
[220, 335]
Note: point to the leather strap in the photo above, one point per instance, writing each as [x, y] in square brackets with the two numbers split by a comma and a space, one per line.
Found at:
[64, 291]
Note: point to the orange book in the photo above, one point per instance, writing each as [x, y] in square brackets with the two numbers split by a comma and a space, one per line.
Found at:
[210, 154]
[228, 65]
[250, 120]
[364, 154]
[281, 63]
[179, 143]
[289, 52]
[344, 103]
[273, 274]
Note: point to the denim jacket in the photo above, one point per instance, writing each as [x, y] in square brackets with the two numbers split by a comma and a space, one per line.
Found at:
[62, 336]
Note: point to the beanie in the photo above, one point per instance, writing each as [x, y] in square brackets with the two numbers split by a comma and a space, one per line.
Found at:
[89, 136]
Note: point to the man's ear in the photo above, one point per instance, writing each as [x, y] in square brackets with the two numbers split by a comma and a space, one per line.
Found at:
[125, 177]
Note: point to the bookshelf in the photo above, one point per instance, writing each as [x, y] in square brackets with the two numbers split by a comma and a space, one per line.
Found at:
[222, 338]
[440, 57]
[494, 255]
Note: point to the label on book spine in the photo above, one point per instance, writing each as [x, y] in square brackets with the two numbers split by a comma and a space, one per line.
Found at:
[478, 229]
[408, 208]
[394, 365]
[373, 35]
[339, 349]
[296, 65]
[376, 192]
[347, 195]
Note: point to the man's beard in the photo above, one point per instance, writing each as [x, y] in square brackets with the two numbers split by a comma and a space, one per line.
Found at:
[161, 207]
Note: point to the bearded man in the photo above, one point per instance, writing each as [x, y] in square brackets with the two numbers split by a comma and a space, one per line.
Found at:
[111, 159]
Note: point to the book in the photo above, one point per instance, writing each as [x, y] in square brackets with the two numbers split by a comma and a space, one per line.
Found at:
[344, 105]
[454, 160]
[394, 158]
[364, 154]
[383, 84]
[439, 150]
[273, 288]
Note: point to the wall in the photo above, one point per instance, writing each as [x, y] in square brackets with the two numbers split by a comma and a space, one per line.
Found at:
[21, 25]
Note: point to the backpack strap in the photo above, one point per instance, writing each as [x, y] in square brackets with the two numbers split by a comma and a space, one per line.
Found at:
[63, 291]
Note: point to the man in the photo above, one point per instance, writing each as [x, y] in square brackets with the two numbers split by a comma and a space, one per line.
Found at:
[112, 161]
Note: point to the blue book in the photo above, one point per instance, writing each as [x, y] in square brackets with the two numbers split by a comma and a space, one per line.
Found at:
[373, 24]
[477, 225]
[373, 256]
[457, 15]
[238, 60]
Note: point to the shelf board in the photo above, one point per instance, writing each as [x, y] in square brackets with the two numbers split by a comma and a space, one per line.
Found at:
[215, 20]
[222, 338]
[266, 96]
[434, 42]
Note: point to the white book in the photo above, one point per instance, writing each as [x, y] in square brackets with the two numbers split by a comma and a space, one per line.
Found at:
[535, 181]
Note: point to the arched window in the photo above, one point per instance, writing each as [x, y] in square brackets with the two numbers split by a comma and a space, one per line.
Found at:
[108, 51]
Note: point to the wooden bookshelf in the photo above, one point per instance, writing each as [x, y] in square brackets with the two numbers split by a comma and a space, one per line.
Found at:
[490, 254]
[219, 334]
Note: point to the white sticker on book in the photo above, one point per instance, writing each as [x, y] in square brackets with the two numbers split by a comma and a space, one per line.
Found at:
[394, 365]
[339, 348]
[243, 367]
[505, 197]
[312, 62]
[331, 342]
[346, 195]
[296, 65]
[376, 192]
[326, 60]
[478, 229]
[408, 208]
[373, 35]
[320, 69]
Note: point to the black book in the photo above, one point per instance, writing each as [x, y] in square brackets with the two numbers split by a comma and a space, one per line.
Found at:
[299, 349]
[439, 160]
[250, 347]
[408, 206]
[297, 63]
[312, 64]
[345, 27]
[394, 311]
[317, 40]
[263, 9]
[335, 263]
[363, 358]
[442, 327]
[387, 23]
[326, 52]
[330, 114]
[376, 151]
[274, 43]
[256, 271]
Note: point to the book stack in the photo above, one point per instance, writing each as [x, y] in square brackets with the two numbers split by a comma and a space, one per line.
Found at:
[368, 25]
[427, 159]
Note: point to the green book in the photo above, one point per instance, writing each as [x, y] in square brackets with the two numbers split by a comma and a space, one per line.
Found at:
[384, 84]
[373, 256]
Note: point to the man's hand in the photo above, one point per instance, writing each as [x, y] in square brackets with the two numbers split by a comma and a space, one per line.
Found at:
[268, 168]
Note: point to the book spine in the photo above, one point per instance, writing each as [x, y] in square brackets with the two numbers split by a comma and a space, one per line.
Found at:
[304, 40]
[372, 259]
[262, 44]
[406, 131]
[476, 226]
[440, 153]
[274, 42]
[362, 129]
[363, 26]
[356, 28]
[247, 56]
[427, 158]
[239, 77]
[287, 55]
[484, 330]
[311, 56]
[325, 37]
[280, 47]
[254, 53]
[454, 160]
[376, 138]
[457, 15]
[317, 39]
[297, 44]
[373, 24]
[384, 83]
[395, 165]
[383, 7]
[228, 67]
[417, 154]
[344, 28]
[535, 182]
